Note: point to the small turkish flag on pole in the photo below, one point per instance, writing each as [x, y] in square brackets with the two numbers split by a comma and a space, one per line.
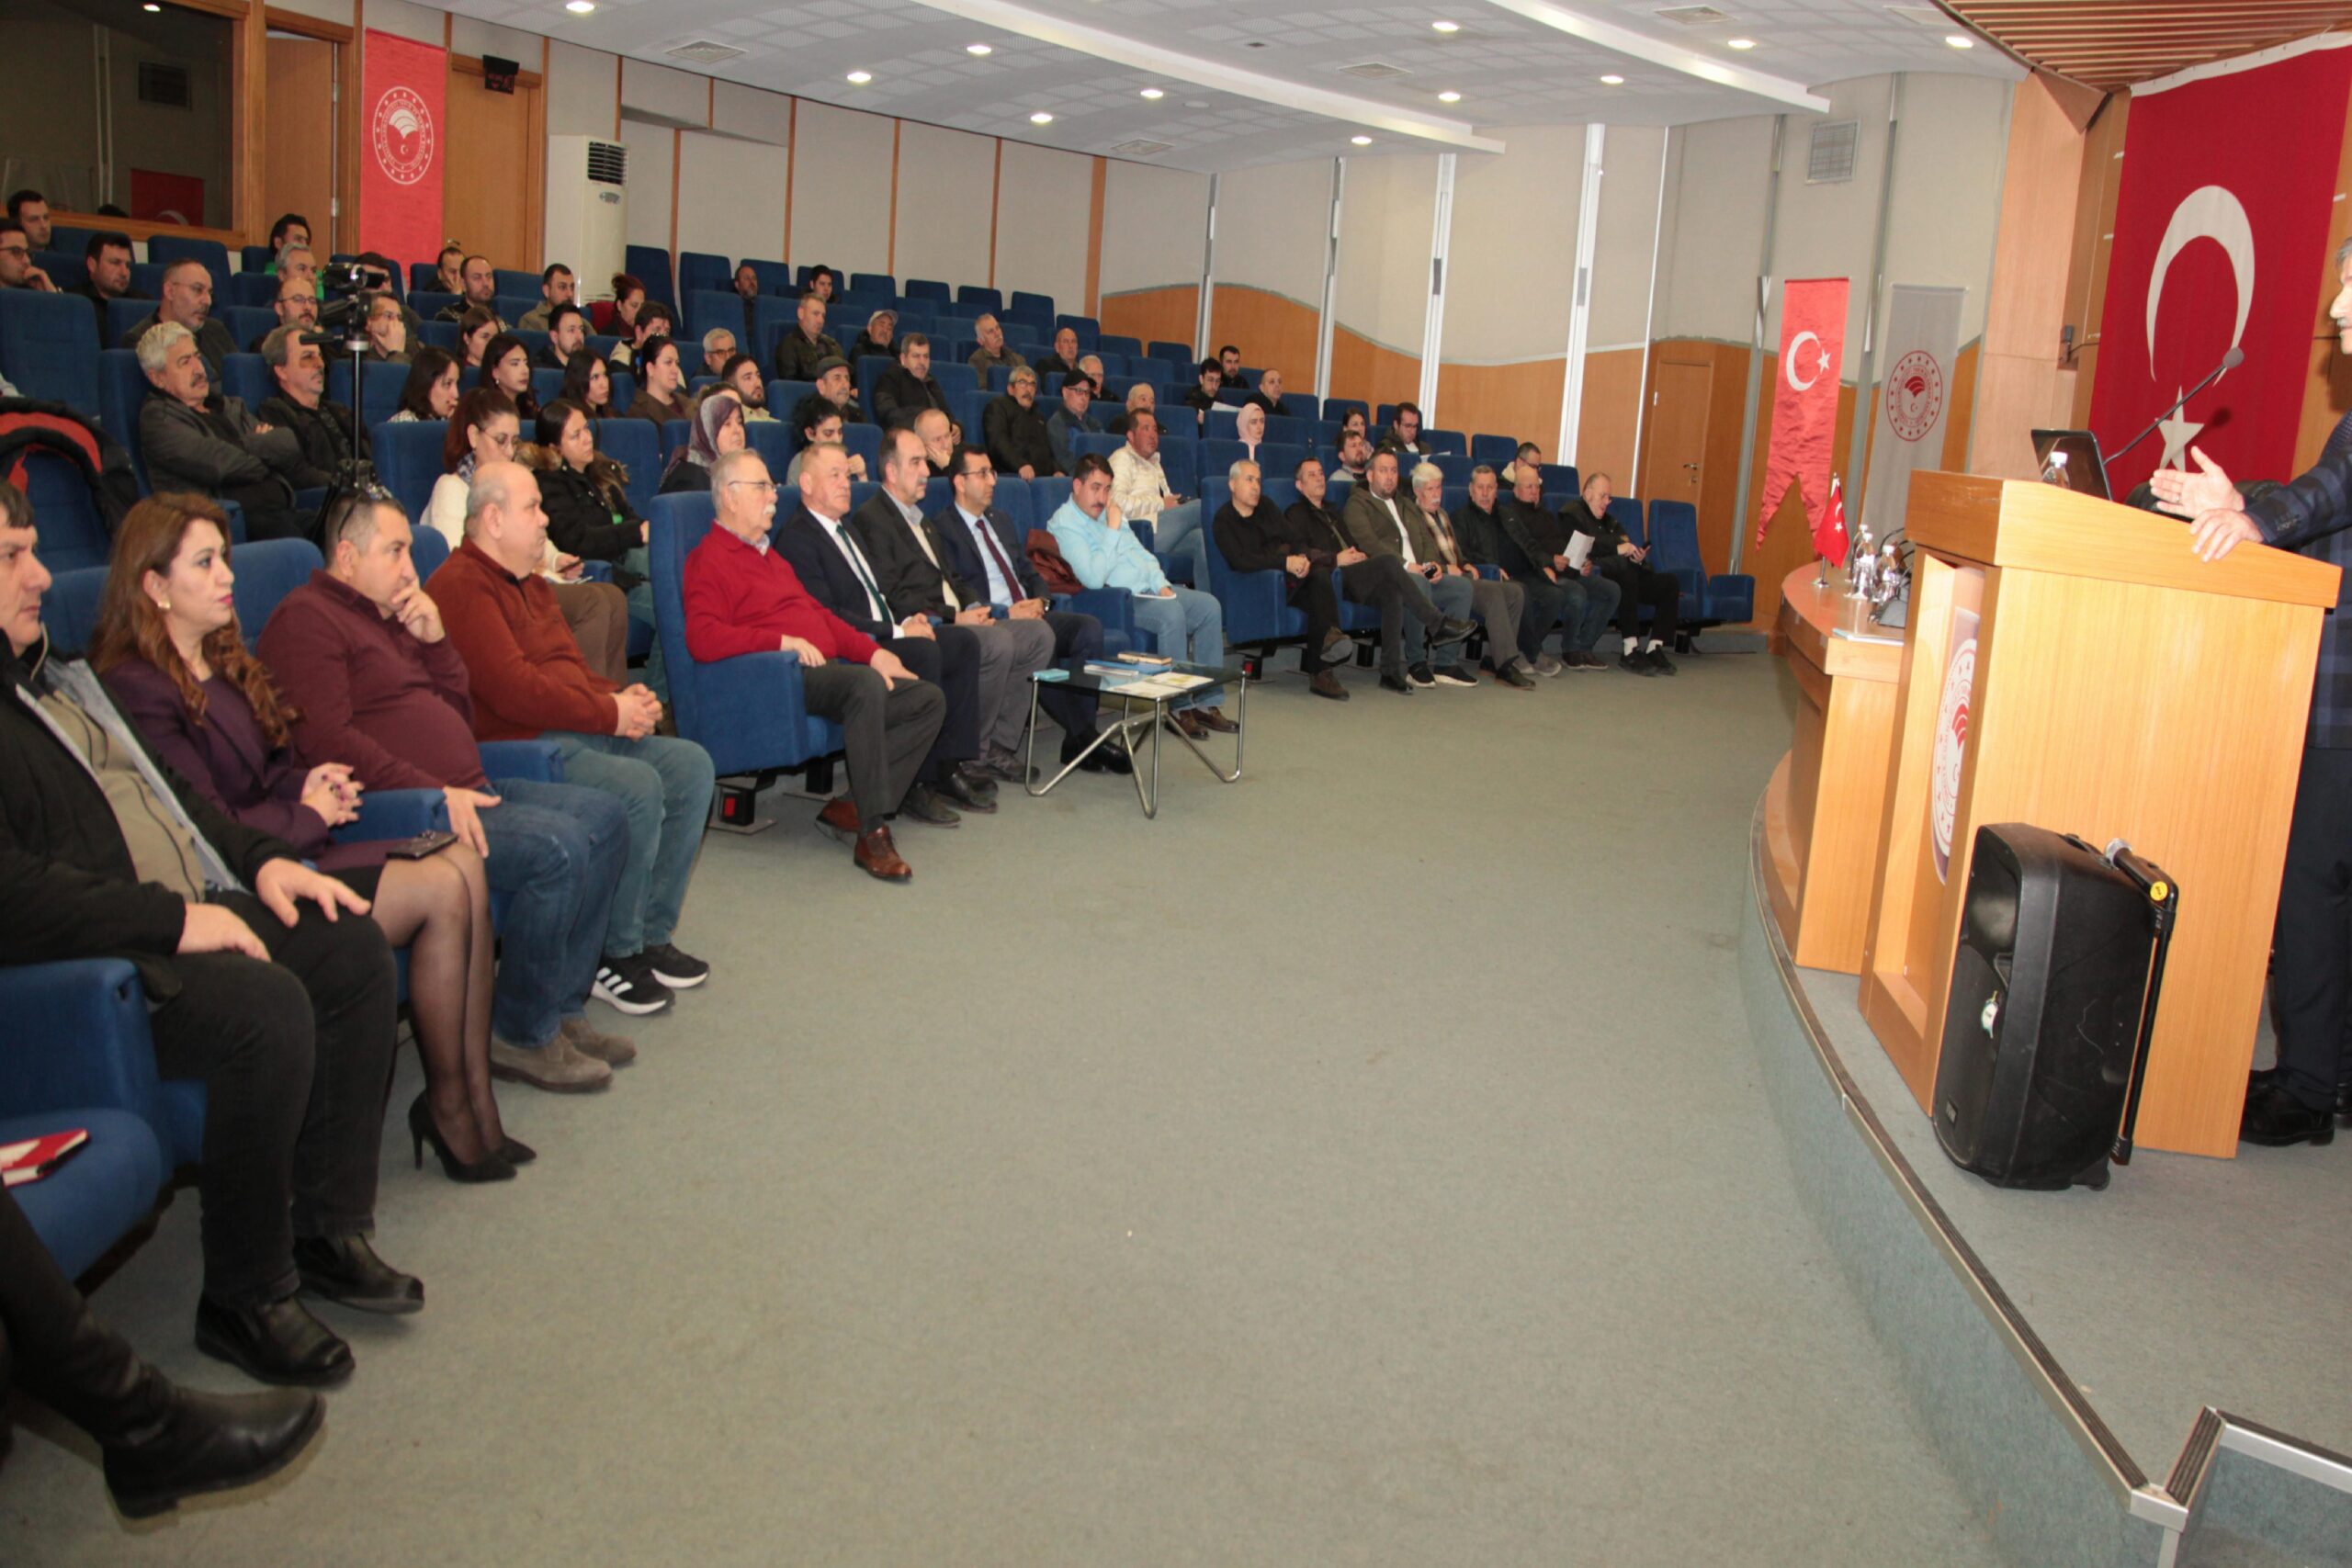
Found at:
[1830, 534]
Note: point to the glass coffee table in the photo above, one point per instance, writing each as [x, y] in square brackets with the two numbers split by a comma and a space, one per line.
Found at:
[1143, 705]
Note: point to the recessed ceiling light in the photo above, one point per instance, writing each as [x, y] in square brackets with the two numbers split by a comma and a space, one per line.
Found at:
[579, 7]
[1447, 27]
[1959, 40]
[157, 9]
[1041, 118]
[1449, 97]
[1613, 81]
[861, 78]
[1743, 43]
[1154, 93]
[979, 48]
[1361, 141]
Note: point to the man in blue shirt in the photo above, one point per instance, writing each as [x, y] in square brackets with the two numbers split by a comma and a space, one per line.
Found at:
[1103, 552]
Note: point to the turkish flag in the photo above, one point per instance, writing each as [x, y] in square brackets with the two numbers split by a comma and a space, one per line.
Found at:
[403, 146]
[1830, 534]
[1804, 405]
[2222, 225]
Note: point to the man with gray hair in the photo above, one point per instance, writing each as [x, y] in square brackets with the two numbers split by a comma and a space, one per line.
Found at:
[992, 353]
[187, 299]
[1498, 603]
[211, 445]
[324, 428]
[529, 683]
[717, 348]
[1015, 432]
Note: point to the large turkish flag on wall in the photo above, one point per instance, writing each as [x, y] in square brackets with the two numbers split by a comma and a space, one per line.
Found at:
[2222, 228]
[403, 146]
[1804, 405]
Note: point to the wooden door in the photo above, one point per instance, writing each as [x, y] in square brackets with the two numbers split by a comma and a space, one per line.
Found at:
[298, 130]
[489, 200]
[1675, 443]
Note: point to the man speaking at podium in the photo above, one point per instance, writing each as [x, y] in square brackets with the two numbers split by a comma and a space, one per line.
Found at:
[2311, 980]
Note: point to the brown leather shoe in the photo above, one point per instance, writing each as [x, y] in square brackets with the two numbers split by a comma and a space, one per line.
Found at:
[1185, 722]
[1327, 684]
[838, 818]
[879, 856]
[1211, 718]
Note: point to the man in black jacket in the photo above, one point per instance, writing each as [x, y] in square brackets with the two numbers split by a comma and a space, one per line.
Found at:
[106, 261]
[1561, 588]
[296, 306]
[1015, 432]
[300, 405]
[284, 1011]
[197, 440]
[802, 353]
[187, 299]
[908, 388]
[1253, 536]
[1627, 565]
[1480, 532]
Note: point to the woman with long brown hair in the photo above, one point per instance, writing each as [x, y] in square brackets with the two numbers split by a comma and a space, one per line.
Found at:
[431, 389]
[169, 645]
[507, 364]
[589, 384]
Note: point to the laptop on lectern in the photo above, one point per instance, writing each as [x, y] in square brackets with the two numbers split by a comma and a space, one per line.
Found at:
[2086, 468]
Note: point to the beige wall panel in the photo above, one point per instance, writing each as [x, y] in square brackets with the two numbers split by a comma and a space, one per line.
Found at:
[658, 90]
[945, 181]
[1719, 173]
[649, 155]
[840, 188]
[1271, 226]
[730, 196]
[1512, 253]
[1387, 209]
[583, 91]
[1043, 205]
[754, 113]
[1154, 224]
[1946, 203]
[1623, 249]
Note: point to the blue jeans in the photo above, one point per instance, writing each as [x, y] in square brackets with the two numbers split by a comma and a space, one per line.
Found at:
[664, 785]
[1453, 596]
[556, 852]
[1599, 607]
[1190, 628]
[1177, 531]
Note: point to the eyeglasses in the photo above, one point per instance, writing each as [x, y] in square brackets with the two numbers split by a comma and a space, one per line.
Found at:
[765, 487]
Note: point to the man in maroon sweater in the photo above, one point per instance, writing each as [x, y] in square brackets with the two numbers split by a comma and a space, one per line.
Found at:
[741, 597]
[529, 683]
[360, 651]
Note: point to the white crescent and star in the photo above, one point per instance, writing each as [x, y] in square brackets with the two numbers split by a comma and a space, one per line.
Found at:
[1796, 354]
[2209, 212]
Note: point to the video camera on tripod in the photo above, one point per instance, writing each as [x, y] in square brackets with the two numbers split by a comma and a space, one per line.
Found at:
[342, 324]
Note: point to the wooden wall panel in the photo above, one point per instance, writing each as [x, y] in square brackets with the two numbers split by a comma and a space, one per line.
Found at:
[2021, 380]
[494, 199]
[1273, 332]
[1375, 372]
[298, 132]
[1164, 315]
[1719, 471]
[1520, 401]
[1612, 406]
[2328, 393]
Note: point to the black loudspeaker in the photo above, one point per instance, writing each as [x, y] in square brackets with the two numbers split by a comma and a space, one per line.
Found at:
[2060, 948]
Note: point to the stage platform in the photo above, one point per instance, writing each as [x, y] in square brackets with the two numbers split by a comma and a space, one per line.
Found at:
[2160, 1373]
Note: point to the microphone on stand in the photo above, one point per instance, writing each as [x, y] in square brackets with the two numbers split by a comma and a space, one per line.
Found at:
[2230, 361]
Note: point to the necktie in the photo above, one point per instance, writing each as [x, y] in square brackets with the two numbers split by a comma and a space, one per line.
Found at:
[946, 587]
[987, 531]
[857, 564]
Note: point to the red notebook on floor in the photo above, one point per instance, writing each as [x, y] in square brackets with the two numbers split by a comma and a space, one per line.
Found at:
[35, 1157]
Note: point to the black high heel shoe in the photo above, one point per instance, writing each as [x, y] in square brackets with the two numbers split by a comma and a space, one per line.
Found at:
[514, 1151]
[494, 1167]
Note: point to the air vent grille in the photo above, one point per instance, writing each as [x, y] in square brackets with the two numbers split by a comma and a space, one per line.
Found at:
[1830, 160]
[1693, 16]
[608, 163]
[1141, 147]
[1374, 71]
[705, 51]
[163, 85]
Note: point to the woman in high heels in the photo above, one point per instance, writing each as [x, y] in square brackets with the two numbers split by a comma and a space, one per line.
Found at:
[169, 647]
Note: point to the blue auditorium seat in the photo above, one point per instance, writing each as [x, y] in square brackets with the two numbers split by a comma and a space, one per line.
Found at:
[408, 460]
[255, 258]
[513, 307]
[1452, 441]
[73, 534]
[242, 376]
[122, 387]
[248, 291]
[1493, 450]
[1028, 303]
[712, 307]
[874, 283]
[1725, 599]
[427, 550]
[122, 315]
[1340, 407]
[379, 390]
[512, 283]
[247, 324]
[928, 288]
[1256, 604]
[700, 270]
[429, 302]
[1627, 512]
[147, 279]
[424, 274]
[1088, 329]
[48, 346]
[1560, 476]
[1108, 343]
[1179, 355]
[650, 265]
[773, 277]
[979, 294]
[864, 441]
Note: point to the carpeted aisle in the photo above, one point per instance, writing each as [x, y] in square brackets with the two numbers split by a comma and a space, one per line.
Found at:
[1362, 1163]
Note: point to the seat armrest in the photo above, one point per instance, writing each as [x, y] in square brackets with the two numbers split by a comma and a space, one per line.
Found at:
[76, 1034]
[535, 760]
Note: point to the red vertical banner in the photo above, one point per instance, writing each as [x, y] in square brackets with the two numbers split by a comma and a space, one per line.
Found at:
[2223, 220]
[403, 144]
[1804, 405]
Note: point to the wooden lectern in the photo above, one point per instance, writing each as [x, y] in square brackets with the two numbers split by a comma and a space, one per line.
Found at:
[2072, 664]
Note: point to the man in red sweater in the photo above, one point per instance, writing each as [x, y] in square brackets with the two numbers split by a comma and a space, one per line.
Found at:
[529, 683]
[741, 597]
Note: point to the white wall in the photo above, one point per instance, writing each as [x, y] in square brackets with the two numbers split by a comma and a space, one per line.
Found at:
[1949, 149]
[420, 23]
[1717, 174]
[650, 149]
[468, 35]
[1624, 240]
[1387, 213]
[730, 196]
[656, 90]
[753, 113]
[946, 180]
[1152, 226]
[1042, 218]
[1512, 251]
[582, 91]
[840, 188]
[1272, 225]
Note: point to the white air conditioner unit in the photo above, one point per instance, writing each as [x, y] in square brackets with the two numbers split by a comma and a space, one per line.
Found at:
[588, 211]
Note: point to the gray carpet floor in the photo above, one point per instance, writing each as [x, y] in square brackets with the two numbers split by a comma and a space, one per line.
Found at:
[2189, 1282]
[1362, 1163]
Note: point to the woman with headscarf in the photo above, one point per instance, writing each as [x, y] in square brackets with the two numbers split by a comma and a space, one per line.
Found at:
[717, 429]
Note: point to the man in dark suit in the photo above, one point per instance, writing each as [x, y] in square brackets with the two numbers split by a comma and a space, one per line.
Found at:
[985, 550]
[832, 565]
[910, 561]
[1269, 395]
[800, 352]
[908, 388]
[1382, 581]
[106, 261]
[1559, 588]
[1015, 432]
[187, 299]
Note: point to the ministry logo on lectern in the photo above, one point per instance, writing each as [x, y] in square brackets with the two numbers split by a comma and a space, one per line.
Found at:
[403, 134]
